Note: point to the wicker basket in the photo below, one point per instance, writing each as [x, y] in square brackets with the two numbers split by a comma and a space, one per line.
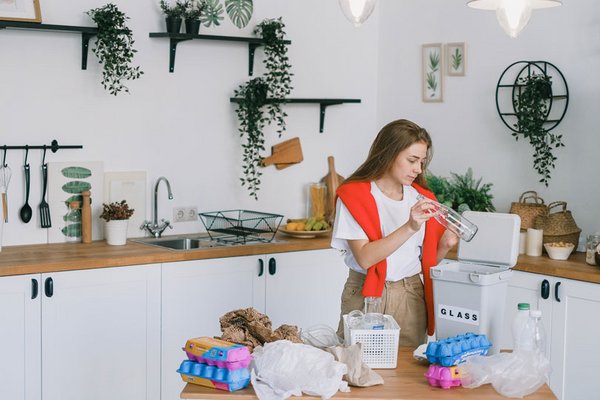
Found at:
[558, 226]
[529, 211]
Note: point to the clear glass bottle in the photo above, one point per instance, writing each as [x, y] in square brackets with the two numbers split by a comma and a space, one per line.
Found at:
[591, 247]
[452, 220]
[373, 317]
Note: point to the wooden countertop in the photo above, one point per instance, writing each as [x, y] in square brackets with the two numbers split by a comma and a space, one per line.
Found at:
[42, 258]
[407, 381]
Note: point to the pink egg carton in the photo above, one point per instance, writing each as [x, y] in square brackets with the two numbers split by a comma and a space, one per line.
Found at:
[444, 377]
[218, 353]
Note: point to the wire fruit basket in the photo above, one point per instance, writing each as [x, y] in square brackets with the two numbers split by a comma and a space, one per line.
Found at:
[241, 226]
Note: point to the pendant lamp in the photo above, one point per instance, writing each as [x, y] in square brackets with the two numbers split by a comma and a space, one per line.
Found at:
[357, 11]
[512, 15]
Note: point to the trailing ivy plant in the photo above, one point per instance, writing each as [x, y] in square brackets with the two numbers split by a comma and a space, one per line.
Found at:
[114, 48]
[260, 101]
[532, 106]
[462, 192]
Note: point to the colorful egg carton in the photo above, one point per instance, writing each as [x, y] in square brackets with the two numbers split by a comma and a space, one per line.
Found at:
[218, 353]
[455, 350]
[214, 377]
[444, 377]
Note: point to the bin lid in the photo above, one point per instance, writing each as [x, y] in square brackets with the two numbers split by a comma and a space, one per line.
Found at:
[496, 242]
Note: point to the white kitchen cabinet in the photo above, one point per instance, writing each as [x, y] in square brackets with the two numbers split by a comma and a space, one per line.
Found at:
[570, 314]
[20, 338]
[299, 288]
[91, 334]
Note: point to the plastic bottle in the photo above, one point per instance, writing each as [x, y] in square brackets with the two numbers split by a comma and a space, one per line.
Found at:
[539, 333]
[373, 318]
[519, 327]
[452, 220]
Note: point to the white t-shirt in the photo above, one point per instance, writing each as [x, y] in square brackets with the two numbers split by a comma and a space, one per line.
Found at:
[406, 260]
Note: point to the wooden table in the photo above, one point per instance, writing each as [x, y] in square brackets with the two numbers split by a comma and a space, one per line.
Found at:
[407, 381]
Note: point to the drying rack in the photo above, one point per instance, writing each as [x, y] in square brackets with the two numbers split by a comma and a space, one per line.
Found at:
[241, 226]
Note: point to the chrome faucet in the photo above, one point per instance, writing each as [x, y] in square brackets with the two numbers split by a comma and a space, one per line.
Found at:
[154, 227]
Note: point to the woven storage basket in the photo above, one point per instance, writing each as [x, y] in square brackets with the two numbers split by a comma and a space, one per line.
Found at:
[558, 226]
[529, 207]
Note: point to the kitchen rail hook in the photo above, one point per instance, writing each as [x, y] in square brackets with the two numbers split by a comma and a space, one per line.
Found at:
[4, 159]
[26, 153]
[44, 156]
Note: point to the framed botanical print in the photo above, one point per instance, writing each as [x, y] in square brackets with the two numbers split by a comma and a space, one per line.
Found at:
[455, 59]
[20, 10]
[432, 72]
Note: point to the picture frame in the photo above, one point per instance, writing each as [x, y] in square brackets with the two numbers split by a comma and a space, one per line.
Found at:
[432, 72]
[20, 10]
[455, 59]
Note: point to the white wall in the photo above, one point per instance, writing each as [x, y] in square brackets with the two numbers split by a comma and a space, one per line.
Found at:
[466, 128]
[182, 125]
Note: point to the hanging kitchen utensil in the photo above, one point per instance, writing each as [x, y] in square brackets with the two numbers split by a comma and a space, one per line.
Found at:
[5, 174]
[26, 211]
[45, 221]
[285, 154]
[332, 180]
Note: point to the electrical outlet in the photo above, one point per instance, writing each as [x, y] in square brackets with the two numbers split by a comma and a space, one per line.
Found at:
[185, 214]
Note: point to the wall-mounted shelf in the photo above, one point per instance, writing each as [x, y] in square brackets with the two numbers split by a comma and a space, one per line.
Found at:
[87, 32]
[175, 38]
[323, 103]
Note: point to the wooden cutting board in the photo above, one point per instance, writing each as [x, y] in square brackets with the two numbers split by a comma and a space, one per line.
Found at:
[285, 154]
[332, 180]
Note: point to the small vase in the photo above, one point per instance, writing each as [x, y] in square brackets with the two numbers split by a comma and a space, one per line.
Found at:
[116, 232]
[192, 26]
[173, 24]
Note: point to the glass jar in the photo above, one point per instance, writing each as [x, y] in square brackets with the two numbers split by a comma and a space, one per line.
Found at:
[591, 248]
[316, 201]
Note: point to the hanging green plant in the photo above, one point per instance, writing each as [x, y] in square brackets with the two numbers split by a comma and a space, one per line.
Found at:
[239, 11]
[212, 14]
[114, 48]
[532, 106]
[260, 100]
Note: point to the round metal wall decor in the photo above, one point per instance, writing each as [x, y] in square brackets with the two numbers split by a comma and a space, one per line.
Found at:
[508, 89]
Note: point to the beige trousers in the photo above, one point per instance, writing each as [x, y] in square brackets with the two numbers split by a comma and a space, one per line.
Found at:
[404, 300]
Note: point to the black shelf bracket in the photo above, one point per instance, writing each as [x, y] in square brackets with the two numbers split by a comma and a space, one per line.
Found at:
[87, 32]
[175, 38]
[323, 104]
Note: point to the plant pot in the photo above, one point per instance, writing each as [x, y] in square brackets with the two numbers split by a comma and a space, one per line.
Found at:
[173, 24]
[192, 26]
[116, 232]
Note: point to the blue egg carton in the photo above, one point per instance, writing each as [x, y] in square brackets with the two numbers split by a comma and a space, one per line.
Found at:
[455, 350]
[220, 378]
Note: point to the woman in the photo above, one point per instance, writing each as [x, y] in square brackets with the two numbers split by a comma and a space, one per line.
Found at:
[388, 235]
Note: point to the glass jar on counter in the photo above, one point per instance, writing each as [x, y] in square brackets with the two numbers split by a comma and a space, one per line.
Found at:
[591, 247]
[316, 200]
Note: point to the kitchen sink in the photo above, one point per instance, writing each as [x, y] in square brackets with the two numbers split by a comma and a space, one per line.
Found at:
[196, 242]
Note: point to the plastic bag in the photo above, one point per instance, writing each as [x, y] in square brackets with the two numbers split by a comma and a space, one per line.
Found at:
[321, 336]
[511, 374]
[282, 369]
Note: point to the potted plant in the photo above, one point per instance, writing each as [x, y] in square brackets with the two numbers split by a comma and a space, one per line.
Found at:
[462, 192]
[194, 10]
[114, 48]
[116, 216]
[532, 106]
[260, 100]
[173, 15]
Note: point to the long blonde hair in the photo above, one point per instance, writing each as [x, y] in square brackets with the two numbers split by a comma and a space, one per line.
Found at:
[390, 141]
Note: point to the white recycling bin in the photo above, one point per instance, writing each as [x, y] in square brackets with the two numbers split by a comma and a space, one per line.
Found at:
[470, 294]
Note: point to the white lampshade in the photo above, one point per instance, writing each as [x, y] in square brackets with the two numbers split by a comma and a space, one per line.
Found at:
[357, 11]
[512, 15]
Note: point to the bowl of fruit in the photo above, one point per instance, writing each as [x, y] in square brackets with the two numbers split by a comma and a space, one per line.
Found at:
[306, 227]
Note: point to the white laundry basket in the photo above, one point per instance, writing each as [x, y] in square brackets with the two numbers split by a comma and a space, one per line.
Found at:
[379, 346]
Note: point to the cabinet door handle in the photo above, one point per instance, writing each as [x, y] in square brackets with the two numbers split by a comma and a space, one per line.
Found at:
[545, 289]
[49, 287]
[272, 266]
[261, 267]
[34, 288]
[556, 291]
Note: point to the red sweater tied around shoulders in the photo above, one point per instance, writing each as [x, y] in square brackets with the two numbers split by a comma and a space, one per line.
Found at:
[359, 201]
